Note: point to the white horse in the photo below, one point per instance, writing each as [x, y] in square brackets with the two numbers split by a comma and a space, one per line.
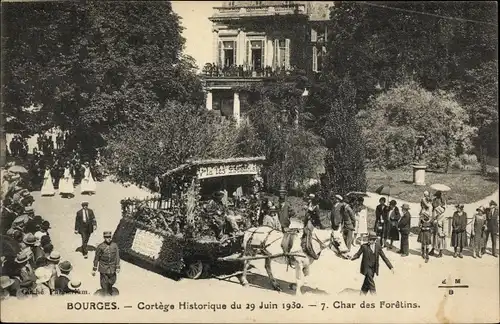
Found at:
[265, 241]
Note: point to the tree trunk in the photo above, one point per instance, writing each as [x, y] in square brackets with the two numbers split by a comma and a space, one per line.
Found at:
[483, 159]
[3, 146]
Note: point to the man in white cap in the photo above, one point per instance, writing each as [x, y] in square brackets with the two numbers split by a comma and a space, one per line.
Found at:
[85, 224]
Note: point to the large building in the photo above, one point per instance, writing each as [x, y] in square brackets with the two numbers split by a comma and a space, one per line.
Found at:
[259, 41]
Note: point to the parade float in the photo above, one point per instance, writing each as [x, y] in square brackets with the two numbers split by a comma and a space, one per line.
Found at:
[174, 232]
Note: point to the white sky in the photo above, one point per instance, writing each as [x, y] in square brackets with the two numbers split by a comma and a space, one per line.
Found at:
[198, 29]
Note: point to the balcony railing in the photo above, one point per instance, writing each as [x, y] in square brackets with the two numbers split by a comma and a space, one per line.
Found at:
[263, 10]
[241, 71]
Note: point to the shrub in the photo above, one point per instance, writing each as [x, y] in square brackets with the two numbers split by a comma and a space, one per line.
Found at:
[394, 118]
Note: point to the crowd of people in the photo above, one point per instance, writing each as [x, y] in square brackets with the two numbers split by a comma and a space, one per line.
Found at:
[391, 226]
[30, 265]
[60, 165]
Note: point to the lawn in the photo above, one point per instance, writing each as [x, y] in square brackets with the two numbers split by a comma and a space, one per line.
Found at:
[466, 186]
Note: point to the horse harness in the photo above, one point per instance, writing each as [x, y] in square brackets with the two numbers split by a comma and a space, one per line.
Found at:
[263, 245]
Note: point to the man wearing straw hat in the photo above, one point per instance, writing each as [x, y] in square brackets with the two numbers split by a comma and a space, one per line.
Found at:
[371, 252]
[107, 260]
[43, 276]
[6, 284]
[74, 286]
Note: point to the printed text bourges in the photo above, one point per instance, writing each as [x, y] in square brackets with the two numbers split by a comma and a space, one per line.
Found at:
[262, 306]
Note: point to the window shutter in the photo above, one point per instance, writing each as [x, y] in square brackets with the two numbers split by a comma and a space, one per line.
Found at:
[276, 62]
[221, 58]
[248, 59]
[315, 59]
[287, 53]
[235, 51]
[263, 56]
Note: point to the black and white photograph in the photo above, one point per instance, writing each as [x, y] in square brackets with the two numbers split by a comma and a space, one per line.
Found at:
[249, 162]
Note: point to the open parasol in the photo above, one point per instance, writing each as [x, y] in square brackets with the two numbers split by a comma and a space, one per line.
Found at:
[356, 194]
[17, 169]
[440, 187]
[384, 190]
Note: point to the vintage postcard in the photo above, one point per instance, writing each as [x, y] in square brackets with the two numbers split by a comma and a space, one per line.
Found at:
[249, 161]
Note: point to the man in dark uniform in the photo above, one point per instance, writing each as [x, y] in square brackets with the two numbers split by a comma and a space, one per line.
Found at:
[85, 224]
[107, 260]
[371, 252]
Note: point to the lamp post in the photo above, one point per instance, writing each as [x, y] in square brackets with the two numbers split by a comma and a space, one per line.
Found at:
[284, 137]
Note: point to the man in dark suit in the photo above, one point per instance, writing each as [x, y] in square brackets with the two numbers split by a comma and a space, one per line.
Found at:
[85, 224]
[404, 229]
[285, 211]
[371, 252]
[492, 228]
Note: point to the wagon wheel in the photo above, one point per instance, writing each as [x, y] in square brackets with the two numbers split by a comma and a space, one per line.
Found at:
[194, 269]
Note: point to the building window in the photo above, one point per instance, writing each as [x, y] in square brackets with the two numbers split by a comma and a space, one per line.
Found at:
[287, 3]
[282, 53]
[231, 3]
[317, 56]
[227, 53]
[258, 3]
[256, 54]
[314, 35]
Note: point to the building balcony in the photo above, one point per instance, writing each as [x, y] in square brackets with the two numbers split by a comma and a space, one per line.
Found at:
[247, 72]
[237, 12]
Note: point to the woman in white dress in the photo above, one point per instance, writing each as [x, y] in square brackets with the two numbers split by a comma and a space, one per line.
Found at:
[66, 188]
[88, 182]
[48, 186]
[361, 228]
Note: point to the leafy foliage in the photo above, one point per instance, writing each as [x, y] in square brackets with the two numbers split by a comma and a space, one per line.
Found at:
[165, 138]
[276, 130]
[90, 66]
[436, 52]
[344, 160]
[394, 118]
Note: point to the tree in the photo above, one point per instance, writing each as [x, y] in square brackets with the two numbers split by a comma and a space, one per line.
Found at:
[91, 66]
[293, 153]
[165, 138]
[374, 52]
[394, 118]
[345, 157]
[480, 96]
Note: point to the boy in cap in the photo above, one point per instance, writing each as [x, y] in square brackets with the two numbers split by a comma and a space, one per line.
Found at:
[492, 228]
[107, 260]
[371, 252]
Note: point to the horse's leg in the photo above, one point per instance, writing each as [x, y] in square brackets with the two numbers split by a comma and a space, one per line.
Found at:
[243, 278]
[274, 283]
[298, 277]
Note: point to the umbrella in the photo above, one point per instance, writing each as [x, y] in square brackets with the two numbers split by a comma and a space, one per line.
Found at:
[357, 194]
[17, 169]
[384, 190]
[440, 187]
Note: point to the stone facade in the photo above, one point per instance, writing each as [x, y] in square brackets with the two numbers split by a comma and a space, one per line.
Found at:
[256, 41]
